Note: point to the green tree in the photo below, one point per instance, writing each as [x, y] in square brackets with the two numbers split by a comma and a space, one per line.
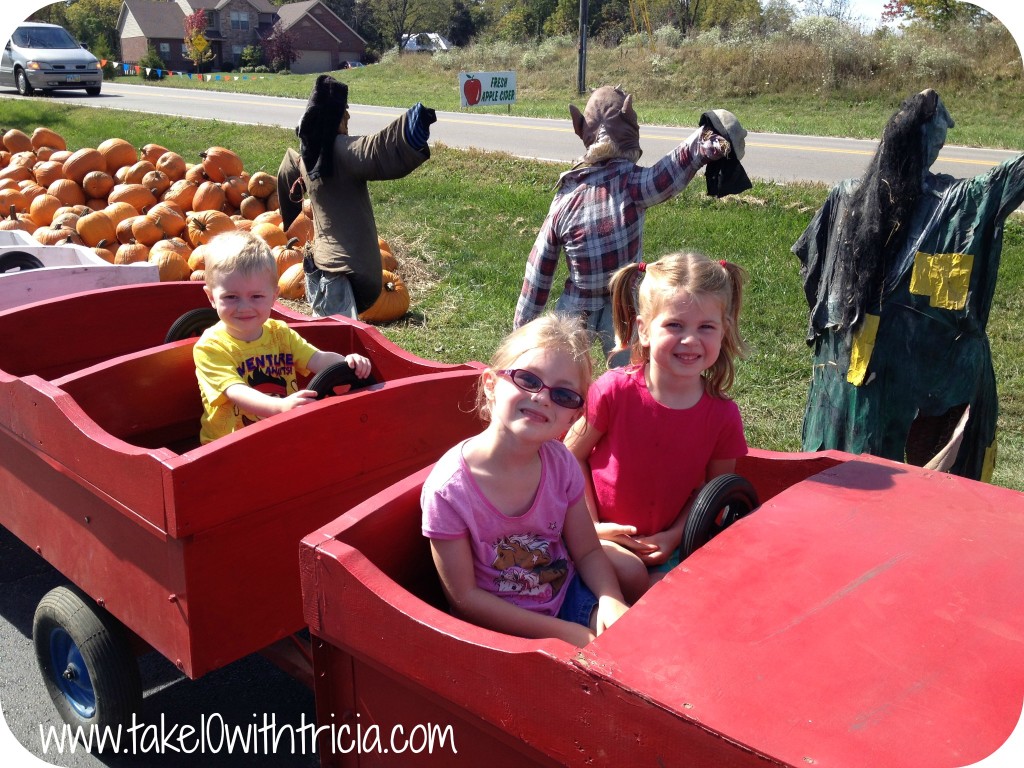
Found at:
[91, 21]
[197, 47]
[724, 13]
[937, 13]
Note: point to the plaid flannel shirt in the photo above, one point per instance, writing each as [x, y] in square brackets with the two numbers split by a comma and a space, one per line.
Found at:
[597, 217]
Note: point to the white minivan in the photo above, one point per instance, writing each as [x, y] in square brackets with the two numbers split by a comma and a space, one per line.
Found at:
[44, 57]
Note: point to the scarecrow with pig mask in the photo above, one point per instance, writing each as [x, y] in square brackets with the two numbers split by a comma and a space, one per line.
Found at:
[597, 215]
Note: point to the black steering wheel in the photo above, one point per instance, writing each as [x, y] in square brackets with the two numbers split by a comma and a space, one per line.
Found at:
[18, 260]
[720, 503]
[191, 324]
[330, 379]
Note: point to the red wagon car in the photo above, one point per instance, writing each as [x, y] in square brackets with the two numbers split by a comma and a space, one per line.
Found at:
[186, 549]
[867, 614]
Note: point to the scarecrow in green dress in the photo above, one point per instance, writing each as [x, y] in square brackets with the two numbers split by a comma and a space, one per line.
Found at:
[899, 269]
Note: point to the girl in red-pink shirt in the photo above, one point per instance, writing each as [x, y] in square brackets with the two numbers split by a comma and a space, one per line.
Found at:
[653, 433]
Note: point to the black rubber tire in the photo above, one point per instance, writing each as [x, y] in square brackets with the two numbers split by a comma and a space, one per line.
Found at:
[21, 82]
[337, 375]
[18, 261]
[86, 660]
[93, 91]
[191, 324]
[720, 503]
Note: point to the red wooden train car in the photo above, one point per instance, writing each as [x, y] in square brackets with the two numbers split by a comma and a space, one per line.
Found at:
[193, 548]
[867, 614]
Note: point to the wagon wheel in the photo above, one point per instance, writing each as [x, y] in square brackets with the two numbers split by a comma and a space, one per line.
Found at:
[326, 383]
[18, 260]
[88, 666]
[720, 503]
[191, 324]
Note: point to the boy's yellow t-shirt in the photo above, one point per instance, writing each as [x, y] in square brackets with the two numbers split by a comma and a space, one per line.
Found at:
[268, 364]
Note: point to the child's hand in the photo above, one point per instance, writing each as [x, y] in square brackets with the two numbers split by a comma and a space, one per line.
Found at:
[609, 610]
[623, 535]
[660, 548]
[359, 364]
[297, 399]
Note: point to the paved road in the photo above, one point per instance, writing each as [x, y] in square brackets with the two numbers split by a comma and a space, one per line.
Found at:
[770, 156]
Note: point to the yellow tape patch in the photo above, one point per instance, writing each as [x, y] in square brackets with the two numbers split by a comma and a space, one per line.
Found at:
[863, 346]
[989, 462]
[944, 278]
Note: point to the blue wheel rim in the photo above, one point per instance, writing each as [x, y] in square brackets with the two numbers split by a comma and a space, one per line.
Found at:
[70, 673]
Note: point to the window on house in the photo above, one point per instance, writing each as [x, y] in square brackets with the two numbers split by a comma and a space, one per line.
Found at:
[236, 54]
[184, 50]
[240, 20]
[213, 20]
[165, 48]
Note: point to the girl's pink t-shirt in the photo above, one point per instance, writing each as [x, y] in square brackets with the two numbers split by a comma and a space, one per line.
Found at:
[652, 457]
[521, 559]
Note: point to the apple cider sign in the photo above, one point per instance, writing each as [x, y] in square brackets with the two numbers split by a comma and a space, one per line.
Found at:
[483, 89]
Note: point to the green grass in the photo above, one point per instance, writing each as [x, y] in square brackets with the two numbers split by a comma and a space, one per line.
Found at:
[463, 224]
[785, 85]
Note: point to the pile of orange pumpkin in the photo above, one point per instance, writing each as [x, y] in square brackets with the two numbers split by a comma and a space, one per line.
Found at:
[151, 204]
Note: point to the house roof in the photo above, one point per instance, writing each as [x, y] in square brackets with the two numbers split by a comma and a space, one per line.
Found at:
[262, 6]
[157, 19]
[293, 12]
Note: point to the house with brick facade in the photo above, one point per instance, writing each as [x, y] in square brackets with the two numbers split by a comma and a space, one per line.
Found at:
[324, 40]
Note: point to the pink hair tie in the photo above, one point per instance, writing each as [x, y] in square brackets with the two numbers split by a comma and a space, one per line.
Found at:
[641, 267]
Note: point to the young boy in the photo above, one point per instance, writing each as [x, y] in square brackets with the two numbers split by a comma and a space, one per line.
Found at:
[246, 363]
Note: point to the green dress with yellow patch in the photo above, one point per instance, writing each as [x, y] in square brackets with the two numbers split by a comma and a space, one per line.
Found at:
[921, 353]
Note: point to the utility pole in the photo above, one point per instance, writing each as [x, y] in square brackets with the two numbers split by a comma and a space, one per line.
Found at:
[581, 74]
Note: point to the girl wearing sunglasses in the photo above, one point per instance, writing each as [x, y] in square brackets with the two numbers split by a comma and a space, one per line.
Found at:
[505, 510]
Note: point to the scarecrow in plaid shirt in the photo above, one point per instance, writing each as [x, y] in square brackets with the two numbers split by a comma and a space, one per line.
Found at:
[597, 215]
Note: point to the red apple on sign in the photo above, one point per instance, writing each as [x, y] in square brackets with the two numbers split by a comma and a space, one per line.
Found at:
[472, 89]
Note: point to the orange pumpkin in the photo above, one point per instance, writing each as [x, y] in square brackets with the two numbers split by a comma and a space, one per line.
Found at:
[181, 193]
[272, 216]
[69, 192]
[131, 252]
[53, 235]
[172, 244]
[251, 207]
[13, 199]
[172, 164]
[272, 234]
[137, 172]
[117, 153]
[153, 152]
[262, 184]
[44, 137]
[169, 217]
[136, 195]
[47, 172]
[209, 197]
[81, 162]
[146, 231]
[96, 228]
[286, 255]
[171, 265]
[292, 283]
[387, 258]
[235, 188]
[392, 303]
[301, 228]
[203, 226]
[42, 208]
[97, 184]
[219, 163]
[17, 141]
[118, 212]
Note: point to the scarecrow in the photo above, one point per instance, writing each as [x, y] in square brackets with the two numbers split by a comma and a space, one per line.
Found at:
[899, 269]
[597, 215]
[343, 269]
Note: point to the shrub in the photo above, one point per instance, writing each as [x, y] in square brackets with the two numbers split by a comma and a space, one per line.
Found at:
[153, 62]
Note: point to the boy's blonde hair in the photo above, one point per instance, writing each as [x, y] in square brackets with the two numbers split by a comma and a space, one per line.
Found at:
[643, 289]
[549, 331]
[241, 252]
